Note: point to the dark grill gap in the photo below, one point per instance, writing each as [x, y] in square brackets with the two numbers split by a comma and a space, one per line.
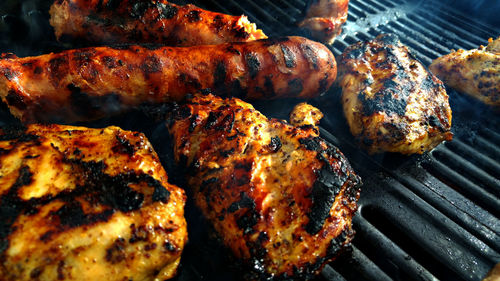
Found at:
[422, 217]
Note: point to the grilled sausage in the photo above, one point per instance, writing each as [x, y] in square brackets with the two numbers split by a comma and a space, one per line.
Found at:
[280, 197]
[89, 83]
[391, 102]
[86, 204]
[140, 21]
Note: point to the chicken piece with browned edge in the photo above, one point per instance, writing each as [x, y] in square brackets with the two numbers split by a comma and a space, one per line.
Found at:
[392, 103]
[86, 204]
[148, 21]
[280, 197]
[474, 72]
[324, 19]
[91, 83]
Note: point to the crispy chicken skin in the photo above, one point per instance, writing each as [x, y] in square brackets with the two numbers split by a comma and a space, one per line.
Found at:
[474, 72]
[279, 196]
[391, 102]
[85, 84]
[324, 19]
[146, 21]
[86, 204]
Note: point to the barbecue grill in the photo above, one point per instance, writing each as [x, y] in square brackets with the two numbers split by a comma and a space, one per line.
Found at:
[428, 217]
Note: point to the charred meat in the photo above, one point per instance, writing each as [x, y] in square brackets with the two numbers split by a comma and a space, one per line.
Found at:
[86, 204]
[390, 100]
[141, 21]
[474, 72]
[86, 84]
[280, 197]
[324, 19]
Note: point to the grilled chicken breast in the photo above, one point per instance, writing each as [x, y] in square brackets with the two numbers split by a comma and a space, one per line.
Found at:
[391, 102]
[279, 196]
[86, 204]
[90, 83]
[141, 21]
[474, 72]
[324, 19]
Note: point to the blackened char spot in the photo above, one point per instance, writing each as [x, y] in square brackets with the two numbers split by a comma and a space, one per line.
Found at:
[167, 11]
[253, 64]
[289, 56]
[160, 193]
[111, 62]
[218, 23]
[323, 84]
[193, 122]
[16, 100]
[311, 54]
[327, 185]
[139, 8]
[238, 91]
[245, 202]
[275, 144]
[123, 146]
[36, 272]
[211, 120]
[11, 206]
[71, 214]
[190, 81]
[194, 16]
[151, 65]
[384, 101]
[116, 252]
[356, 51]
[247, 221]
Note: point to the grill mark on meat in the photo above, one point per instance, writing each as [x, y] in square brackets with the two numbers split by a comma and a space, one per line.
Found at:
[220, 76]
[58, 69]
[311, 55]
[289, 56]
[253, 64]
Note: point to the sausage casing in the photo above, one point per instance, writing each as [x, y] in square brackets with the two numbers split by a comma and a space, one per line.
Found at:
[90, 83]
[139, 21]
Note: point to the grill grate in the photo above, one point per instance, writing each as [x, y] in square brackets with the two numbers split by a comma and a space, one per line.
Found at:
[431, 217]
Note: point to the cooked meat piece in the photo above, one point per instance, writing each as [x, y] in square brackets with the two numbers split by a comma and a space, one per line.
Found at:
[86, 204]
[324, 19]
[152, 21]
[280, 197]
[90, 83]
[474, 72]
[304, 114]
[391, 102]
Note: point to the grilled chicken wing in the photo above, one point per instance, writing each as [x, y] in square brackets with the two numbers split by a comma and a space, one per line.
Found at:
[391, 102]
[141, 21]
[280, 197]
[84, 84]
[86, 204]
[474, 72]
[324, 19]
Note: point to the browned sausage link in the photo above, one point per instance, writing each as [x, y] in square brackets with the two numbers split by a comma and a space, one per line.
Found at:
[141, 21]
[90, 83]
